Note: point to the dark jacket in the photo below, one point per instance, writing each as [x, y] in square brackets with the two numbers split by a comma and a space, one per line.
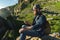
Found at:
[38, 23]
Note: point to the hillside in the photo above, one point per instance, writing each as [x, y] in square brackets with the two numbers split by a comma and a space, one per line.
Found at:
[51, 8]
[22, 11]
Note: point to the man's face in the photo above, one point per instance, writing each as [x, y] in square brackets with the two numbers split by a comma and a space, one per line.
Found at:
[35, 11]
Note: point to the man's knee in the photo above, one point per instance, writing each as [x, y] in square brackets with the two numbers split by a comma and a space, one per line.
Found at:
[23, 26]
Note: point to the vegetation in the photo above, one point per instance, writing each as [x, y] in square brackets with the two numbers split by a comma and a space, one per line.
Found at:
[51, 6]
[23, 11]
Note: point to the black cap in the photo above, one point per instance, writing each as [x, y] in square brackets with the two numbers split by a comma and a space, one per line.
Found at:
[37, 6]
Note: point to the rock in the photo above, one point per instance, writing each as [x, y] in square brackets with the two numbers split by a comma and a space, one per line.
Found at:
[37, 38]
[18, 38]
[49, 38]
[29, 38]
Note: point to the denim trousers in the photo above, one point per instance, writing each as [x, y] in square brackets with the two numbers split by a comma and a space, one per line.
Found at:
[32, 33]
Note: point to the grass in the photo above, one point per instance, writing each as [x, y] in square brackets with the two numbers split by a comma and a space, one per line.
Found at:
[57, 5]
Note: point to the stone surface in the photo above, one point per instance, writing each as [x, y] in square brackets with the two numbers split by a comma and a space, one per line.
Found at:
[37, 38]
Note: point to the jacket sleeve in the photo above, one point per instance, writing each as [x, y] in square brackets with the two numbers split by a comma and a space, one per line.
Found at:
[39, 22]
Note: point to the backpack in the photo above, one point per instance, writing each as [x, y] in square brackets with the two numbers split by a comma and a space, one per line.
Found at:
[47, 29]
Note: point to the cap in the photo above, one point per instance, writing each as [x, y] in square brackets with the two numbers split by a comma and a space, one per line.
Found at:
[37, 6]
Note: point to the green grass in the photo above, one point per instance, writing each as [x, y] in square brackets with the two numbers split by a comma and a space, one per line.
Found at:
[57, 5]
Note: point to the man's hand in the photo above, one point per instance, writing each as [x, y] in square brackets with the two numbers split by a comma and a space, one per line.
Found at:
[24, 29]
[21, 30]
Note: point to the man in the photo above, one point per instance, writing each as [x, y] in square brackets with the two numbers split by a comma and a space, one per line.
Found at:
[36, 29]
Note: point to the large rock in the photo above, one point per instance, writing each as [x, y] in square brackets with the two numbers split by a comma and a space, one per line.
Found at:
[37, 38]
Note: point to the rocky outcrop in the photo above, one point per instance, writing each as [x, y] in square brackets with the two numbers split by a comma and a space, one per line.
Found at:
[37, 38]
[4, 13]
[3, 27]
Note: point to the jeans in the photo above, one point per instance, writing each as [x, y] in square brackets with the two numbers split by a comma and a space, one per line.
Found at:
[29, 33]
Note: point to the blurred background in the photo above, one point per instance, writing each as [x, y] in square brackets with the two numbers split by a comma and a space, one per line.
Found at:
[13, 13]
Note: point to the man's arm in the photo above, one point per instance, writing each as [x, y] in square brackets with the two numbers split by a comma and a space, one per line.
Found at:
[29, 28]
[24, 29]
[39, 23]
